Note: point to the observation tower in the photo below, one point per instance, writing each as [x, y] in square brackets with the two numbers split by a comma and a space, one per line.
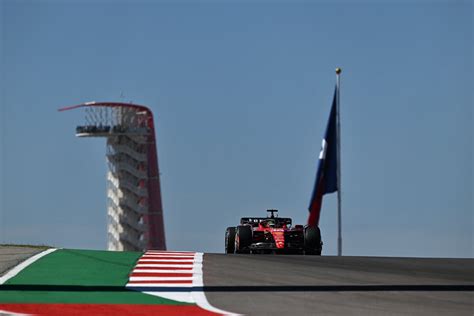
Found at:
[134, 207]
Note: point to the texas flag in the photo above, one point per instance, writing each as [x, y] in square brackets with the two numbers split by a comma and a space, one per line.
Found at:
[326, 176]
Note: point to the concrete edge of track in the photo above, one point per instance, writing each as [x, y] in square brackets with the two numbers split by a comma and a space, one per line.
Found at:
[18, 268]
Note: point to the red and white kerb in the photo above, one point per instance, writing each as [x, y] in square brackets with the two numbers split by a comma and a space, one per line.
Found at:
[167, 269]
[169, 274]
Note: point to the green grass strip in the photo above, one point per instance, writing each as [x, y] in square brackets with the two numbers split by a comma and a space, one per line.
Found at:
[128, 297]
[80, 267]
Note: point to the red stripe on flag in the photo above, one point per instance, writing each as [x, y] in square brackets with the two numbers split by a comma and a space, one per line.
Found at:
[315, 207]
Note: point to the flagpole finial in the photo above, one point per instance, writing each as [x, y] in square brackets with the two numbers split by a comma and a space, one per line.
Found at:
[338, 70]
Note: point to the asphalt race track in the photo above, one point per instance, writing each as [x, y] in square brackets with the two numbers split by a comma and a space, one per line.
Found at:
[327, 285]
[10, 256]
[312, 285]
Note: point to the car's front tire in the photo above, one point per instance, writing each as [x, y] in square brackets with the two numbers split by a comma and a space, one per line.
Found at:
[230, 240]
[243, 239]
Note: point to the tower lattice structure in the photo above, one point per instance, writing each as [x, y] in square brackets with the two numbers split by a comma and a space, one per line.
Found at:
[134, 206]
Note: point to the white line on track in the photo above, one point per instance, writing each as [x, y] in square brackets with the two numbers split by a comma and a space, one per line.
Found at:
[164, 271]
[168, 253]
[2, 312]
[178, 255]
[160, 285]
[17, 269]
[167, 257]
[167, 260]
[143, 278]
[200, 297]
[151, 265]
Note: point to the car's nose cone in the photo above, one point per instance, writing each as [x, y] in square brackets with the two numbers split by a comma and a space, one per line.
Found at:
[279, 238]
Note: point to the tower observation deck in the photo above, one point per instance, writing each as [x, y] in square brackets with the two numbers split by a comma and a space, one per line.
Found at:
[134, 206]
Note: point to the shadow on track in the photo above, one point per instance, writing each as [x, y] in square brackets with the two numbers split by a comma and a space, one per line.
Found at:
[246, 288]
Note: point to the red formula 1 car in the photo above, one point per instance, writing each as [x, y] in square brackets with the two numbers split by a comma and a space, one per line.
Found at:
[272, 235]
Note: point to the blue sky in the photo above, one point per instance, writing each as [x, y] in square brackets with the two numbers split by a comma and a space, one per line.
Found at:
[241, 92]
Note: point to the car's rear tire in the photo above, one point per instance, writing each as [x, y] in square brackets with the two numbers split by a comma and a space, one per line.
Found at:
[312, 241]
[243, 239]
[230, 240]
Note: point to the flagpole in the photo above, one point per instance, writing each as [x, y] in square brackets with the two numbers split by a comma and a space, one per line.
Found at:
[338, 139]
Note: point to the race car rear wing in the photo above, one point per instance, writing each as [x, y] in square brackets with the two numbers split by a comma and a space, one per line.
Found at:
[254, 221]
